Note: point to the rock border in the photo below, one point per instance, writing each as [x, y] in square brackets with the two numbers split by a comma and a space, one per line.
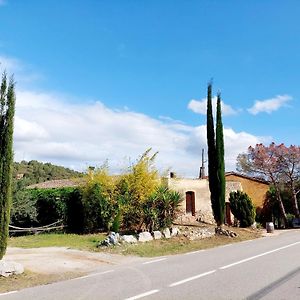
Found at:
[8, 268]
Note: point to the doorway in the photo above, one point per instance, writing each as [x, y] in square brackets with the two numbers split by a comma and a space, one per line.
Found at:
[190, 203]
[228, 220]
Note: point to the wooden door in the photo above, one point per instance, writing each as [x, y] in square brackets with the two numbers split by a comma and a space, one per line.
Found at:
[228, 214]
[190, 203]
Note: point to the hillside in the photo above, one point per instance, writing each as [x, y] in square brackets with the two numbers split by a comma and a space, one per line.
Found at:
[35, 172]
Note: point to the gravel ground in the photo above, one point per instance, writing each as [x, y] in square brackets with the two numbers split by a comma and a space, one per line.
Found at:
[53, 260]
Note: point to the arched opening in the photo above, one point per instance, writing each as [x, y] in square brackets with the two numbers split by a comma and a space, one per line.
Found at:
[190, 203]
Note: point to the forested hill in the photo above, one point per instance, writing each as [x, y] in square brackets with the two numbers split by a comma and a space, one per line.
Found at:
[35, 172]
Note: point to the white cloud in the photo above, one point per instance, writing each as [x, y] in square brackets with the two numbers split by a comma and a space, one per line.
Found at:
[269, 105]
[235, 143]
[24, 73]
[11, 65]
[238, 142]
[28, 131]
[48, 128]
[200, 107]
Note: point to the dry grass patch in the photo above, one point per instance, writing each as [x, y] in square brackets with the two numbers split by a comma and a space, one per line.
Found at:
[181, 244]
[30, 279]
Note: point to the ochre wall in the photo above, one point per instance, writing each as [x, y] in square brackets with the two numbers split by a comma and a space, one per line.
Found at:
[256, 190]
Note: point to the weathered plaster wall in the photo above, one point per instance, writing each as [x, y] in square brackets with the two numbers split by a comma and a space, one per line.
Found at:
[200, 187]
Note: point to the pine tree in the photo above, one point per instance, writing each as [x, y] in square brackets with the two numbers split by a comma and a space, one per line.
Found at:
[7, 111]
[220, 164]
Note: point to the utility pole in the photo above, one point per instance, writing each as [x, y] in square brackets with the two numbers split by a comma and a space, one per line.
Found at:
[202, 168]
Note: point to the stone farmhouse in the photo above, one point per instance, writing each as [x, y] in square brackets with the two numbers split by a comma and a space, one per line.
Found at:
[196, 195]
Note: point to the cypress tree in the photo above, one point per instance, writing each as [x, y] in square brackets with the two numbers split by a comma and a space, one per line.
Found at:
[211, 151]
[220, 164]
[7, 111]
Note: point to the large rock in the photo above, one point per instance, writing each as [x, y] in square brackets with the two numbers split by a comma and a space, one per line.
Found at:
[166, 233]
[174, 231]
[226, 232]
[130, 239]
[145, 236]
[111, 240]
[157, 235]
[8, 268]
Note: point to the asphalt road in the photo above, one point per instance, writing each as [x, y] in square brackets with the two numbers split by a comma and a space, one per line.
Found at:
[265, 268]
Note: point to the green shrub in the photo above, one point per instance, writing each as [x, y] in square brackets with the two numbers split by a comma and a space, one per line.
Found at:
[117, 222]
[74, 212]
[23, 209]
[51, 204]
[133, 190]
[98, 209]
[242, 208]
[290, 218]
[271, 208]
[160, 208]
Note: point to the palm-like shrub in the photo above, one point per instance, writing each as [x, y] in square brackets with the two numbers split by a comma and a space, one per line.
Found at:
[242, 208]
[160, 208]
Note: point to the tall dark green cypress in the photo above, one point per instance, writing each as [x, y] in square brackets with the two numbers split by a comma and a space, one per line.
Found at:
[211, 151]
[216, 167]
[7, 111]
[220, 163]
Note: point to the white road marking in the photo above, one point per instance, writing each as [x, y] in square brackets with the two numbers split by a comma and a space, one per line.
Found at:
[143, 295]
[8, 293]
[191, 278]
[247, 241]
[194, 252]
[226, 245]
[259, 255]
[93, 274]
[154, 261]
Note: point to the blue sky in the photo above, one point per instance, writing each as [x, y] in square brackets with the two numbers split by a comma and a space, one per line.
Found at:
[103, 80]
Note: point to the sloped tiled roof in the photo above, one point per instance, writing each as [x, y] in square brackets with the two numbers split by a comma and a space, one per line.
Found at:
[55, 184]
[247, 177]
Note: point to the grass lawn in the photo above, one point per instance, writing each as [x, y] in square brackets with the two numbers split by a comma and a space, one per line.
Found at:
[75, 241]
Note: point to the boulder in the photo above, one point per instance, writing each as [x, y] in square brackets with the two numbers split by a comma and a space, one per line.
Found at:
[157, 235]
[226, 232]
[8, 268]
[174, 231]
[145, 236]
[113, 238]
[130, 239]
[166, 233]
